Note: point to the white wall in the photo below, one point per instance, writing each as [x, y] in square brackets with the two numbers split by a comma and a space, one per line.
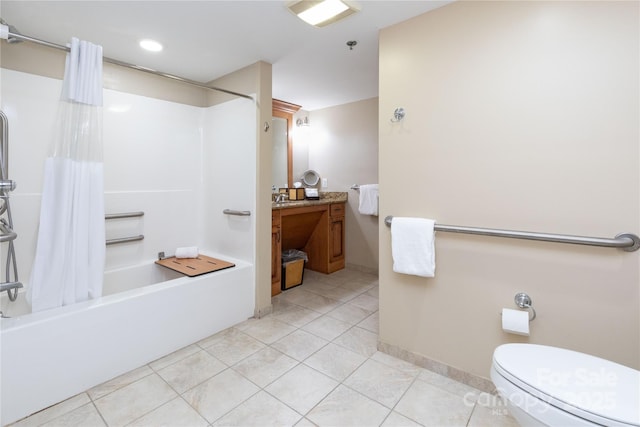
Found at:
[229, 179]
[178, 163]
[525, 116]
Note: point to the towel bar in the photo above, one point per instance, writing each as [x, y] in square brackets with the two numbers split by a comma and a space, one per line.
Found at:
[626, 241]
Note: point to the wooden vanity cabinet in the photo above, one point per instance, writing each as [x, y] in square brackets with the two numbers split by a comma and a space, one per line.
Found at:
[276, 251]
[318, 230]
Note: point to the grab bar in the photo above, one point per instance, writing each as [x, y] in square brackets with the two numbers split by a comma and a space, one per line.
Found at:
[626, 241]
[7, 233]
[7, 185]
[124, 215]
[7, 286]
[236, 213]
[124, 240]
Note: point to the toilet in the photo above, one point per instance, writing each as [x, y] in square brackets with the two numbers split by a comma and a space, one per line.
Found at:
[549, 386]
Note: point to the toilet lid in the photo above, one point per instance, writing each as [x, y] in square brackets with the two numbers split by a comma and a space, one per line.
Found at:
[584, 385]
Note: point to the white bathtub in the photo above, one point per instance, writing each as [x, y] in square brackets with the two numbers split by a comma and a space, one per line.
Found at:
[147, 311]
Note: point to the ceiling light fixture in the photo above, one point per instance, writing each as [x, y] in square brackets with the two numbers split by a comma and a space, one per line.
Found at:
[321, 13]
[150, 45]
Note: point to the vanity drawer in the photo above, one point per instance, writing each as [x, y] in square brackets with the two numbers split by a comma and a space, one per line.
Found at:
[337, 209]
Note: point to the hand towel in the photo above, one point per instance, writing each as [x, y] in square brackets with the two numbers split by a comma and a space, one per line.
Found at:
[412, 246]
[368, 199]
[188, 252]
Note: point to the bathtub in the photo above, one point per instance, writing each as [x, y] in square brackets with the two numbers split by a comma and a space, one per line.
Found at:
[146, 312]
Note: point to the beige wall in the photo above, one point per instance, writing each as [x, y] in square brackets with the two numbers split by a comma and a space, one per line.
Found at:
[520, 115]
[342, 144]
[44, 61]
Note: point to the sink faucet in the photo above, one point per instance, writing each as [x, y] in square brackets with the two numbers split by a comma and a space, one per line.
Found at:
[281, 198]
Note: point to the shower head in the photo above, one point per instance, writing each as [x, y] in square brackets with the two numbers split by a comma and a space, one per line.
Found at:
[8, 32]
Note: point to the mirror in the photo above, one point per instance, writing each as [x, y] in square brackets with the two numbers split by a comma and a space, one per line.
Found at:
[280, 156]
[282, 151]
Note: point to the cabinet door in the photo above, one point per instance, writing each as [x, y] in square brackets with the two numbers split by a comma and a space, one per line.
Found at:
[276, 271]
[336, 239]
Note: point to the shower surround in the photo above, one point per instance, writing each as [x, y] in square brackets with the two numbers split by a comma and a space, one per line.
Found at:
[174, 162]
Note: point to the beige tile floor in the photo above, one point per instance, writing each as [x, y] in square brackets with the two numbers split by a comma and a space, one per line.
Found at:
[313, 361]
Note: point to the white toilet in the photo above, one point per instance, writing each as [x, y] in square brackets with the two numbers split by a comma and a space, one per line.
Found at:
[549, 386]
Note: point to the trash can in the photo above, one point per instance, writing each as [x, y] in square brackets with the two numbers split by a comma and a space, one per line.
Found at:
[292, 268]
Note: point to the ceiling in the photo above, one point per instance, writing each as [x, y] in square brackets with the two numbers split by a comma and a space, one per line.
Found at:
[204, 40]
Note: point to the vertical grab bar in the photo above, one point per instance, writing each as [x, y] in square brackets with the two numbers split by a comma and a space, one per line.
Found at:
[6, 225]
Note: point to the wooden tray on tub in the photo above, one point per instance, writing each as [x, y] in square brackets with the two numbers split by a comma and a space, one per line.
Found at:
[195, 266]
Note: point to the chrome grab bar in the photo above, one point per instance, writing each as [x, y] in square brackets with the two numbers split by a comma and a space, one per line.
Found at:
[236, 213]
[7, 185]
[626, 241]
[7, 233]
[7, 286]
[123, 215]
[124, 240]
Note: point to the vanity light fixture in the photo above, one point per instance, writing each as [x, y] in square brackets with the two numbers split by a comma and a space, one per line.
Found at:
[303, 122]
[150, 45]
[321, 13]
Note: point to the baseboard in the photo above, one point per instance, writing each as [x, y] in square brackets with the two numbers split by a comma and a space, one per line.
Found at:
[259, 313]
[362, 268]
[456, 374]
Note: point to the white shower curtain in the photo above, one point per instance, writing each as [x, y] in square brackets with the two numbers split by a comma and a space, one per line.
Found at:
[69, 261]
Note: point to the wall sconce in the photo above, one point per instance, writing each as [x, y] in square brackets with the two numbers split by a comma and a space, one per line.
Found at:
[303, 122]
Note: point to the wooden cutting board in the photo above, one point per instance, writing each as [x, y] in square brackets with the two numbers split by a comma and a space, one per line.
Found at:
[195, 266]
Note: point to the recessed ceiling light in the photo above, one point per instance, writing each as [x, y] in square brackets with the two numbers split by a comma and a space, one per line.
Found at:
[150, 45]
[321, 13]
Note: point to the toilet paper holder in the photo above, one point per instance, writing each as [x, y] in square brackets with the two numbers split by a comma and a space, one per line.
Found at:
[523, 300]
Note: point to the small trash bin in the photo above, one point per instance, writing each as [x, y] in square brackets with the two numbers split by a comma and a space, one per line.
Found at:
[292, 268]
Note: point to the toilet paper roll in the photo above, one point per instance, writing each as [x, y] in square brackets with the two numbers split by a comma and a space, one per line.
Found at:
[188, 252]
[515, 321]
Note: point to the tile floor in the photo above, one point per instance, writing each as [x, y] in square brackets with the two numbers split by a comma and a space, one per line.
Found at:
[313, 361]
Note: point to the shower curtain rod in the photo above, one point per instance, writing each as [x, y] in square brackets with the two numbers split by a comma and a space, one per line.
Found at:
[21, 37]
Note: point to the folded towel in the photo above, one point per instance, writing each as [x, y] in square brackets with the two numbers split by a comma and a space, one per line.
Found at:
[188, 252]
[368, 199]
[412, 246]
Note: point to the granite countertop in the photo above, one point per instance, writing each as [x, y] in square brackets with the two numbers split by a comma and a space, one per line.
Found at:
[326, 197]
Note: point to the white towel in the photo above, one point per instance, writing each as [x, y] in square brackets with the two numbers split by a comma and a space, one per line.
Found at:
[412, 246]
[368, 199]
[188, 252]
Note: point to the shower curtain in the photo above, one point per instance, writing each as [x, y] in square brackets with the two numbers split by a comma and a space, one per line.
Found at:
[69, 261]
